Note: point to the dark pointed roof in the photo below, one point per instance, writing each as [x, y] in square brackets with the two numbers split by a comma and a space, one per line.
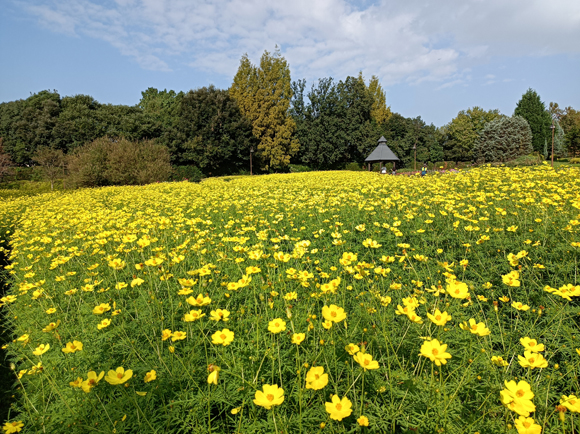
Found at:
[382, 153]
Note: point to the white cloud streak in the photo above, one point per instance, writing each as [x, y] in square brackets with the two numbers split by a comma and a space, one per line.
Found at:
[412, 41]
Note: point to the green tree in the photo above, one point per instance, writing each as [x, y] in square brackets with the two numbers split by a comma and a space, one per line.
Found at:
[51, 162]
[380, 112]
[533, 110]
[77, 122]
[463, 132]
[216, 136]
[504, 139]
[263, 94]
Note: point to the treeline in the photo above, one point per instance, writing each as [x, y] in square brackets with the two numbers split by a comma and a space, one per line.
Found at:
[325, 125]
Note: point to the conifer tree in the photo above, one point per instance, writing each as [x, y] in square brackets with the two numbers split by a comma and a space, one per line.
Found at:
[380, 112]
[532, 109]
[263, 94]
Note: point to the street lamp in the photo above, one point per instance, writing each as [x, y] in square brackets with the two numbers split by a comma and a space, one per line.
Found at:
[251, 152]
[415, 159]
[552, 128]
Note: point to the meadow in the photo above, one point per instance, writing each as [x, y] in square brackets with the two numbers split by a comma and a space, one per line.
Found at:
[299, 303]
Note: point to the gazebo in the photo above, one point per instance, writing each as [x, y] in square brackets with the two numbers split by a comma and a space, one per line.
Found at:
[381, 154]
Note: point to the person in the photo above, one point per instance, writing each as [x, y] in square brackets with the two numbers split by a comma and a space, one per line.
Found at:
[393, 172]
[424, 170]
[383, 170]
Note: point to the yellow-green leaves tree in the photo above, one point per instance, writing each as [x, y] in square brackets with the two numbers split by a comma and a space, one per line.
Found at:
[380, 112]
[263, 94]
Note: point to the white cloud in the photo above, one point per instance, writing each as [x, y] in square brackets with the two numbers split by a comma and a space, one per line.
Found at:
[412, 41]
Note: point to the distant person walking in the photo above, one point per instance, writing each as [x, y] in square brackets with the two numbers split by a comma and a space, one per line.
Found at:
[424, 170]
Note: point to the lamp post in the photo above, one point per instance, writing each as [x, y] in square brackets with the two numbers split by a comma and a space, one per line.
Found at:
[415, 159]
[251, 152]
[552, 128]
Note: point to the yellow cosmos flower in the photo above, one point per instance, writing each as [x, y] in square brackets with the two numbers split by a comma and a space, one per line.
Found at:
[504, 299]
[338, 408]
[23, 338]
[518, 397]
[213, 376]
[372, 244]
[298, 338]
[117, 264]
[327, 324]
[187, 282]
[316, 379]
[457, 289]
[532, 360]
[478, 329]
[511, 279]
[193, 315]
[439, 318]
[363, 421]
[118, 376]
[200, 300]
[520, 306]
[220, 314]
[166, 334]
[333, 313]
[101, 308]
[136, 282]
[571, 402]
[178, 336]
[76, 383]
[277, 325]
[12, 427]
[532, 345]
[121, 285]
[527, 425]
[50, 327]
[269, 396]
[72, 347]
[41, 349]
[91, 381]
[150, 376]
[352, 349]
[435, 351]
[290, 296]
[366, 361]
[104, 323]
[51, 311]
[223, 337]
[499, 361]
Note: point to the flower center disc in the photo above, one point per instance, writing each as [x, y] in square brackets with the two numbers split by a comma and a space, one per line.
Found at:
[270, 397]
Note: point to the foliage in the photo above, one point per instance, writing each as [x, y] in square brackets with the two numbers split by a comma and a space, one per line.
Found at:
[5, 163]
[380, 112]
[533, 110]
[504, 139]
[51, 162]
[217, 138]
[494, 246]
[189, 173]
[109, 161]
[263, 94]
[463, 132]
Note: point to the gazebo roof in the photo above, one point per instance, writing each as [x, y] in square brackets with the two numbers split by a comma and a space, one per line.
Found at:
[382, 153]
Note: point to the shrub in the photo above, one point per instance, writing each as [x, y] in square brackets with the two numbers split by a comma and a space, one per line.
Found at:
[356, 167]
[574, 160]
[186, 173]
[108, 161]
[504, 139]
[299, 168]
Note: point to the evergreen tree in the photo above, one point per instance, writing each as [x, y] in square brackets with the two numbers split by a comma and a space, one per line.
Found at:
[533, 110]
[504, 139]
[380, 112]
[263, 94]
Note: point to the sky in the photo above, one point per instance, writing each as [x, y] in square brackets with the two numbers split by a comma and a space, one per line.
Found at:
[433, 58]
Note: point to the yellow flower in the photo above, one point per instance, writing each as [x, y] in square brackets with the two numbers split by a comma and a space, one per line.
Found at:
[119, 376]
[352, 349]
[457, 289]
[136, 282]
[23, 338]
[117, 264]
[166, 334]
[532, 345]
[193, 315]
[220, 314]
[50, 327]
[121, 285]
[187, 282]
[532, 360]
[277, 325]
[366, 361]
[77, 383]
[91, 381]
[41, 349]
[511, 279]
[439, 318]
[291, 296]
[316, 379]
[518, 397]
[178, 336]
[298, 338]
[150, 376]
[72, 347]
[223, 337]
[333, 313]
[363, 421]
[101, 308]
[269, 396]
[104, 323]
[12, 427]
[212, 378]
[51, 310]
[499, 361]
[504, 299]
[327, 324]
[338, 408]
[200, 300]
[571, 403]
[520, 306]
[435, 351]
[478, 329]
[527, 425]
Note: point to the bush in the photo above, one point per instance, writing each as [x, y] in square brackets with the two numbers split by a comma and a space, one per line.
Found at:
[186, 173]
[356, 167]
[504, 139]
[299, 168]
[526, 160]
[574, 160]
[108, 161]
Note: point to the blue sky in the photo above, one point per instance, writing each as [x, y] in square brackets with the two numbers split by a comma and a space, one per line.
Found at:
[434, 58]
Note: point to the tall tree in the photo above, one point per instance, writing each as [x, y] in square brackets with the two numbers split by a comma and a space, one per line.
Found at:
[533, 110]
[263, 94]
[77, 122]
[463, 132]
[504, 139]
[51, 163]
[380, 112]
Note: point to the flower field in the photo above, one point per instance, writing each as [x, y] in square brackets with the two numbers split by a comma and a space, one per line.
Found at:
[302, 303]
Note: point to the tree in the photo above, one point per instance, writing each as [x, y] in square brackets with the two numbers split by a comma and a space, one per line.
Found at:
[533, 110]
[5, 162]
[570, 123]
[380, 112]
[217, 137]
[463, 132]
[263, 94]
[504, 139]
[77, 123]
[51, 162]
